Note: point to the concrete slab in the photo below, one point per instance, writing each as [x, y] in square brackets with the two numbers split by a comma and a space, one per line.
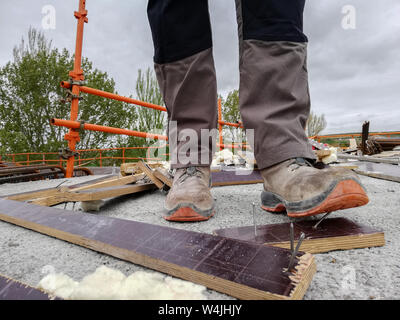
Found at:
[355, 274]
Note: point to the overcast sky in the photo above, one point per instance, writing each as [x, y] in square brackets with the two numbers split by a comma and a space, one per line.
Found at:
[354, 73]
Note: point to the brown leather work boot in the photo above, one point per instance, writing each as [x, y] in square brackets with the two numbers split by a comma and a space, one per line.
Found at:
[302, 190]
[190, 198]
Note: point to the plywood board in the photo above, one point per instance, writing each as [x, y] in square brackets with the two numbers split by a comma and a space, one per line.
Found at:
[239, 269]
[331, 234]
[14, 290]
[221, 178]
[235, 177]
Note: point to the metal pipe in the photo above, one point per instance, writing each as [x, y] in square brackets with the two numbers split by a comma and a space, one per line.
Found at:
[114, 96]
[221, 141]
[224, 123]
[94, 127]
[76, 75]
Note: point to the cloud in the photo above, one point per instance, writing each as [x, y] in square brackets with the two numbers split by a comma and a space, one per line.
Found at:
[353, 73]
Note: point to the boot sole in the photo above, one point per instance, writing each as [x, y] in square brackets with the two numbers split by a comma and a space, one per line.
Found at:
[344, 194]
[189, 214]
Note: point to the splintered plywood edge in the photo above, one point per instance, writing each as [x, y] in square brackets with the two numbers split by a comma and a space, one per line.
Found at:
[237, 268]
[11, 289]
[332, 234]
[304, 272]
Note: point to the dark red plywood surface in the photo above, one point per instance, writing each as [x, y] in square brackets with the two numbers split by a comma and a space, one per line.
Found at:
[333, 227]
[236, 177]
[13, 290]
[253, 265]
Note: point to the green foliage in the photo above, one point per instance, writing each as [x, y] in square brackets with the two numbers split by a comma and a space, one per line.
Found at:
[147, 89]
[149, 120]
[30, 95]
[231, 113]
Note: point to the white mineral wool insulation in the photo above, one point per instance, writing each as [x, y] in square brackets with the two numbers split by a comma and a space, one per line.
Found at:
[110, 284]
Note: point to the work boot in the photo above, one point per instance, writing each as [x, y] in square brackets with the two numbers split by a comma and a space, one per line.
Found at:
[302, 190]
[190, 198]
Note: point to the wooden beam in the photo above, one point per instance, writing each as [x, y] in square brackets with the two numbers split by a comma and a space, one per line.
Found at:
[240, 269]
[331, 234]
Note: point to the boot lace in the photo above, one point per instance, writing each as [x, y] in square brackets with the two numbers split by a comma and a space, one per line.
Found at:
[189, 172]
[296, 163]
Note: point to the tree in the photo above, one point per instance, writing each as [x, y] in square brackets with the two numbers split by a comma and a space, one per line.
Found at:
[231, 113]
[147, 89]
[149, 120]
[315, 124]
[30, 94]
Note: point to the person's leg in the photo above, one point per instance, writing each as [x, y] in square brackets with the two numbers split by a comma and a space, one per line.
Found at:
[185, 71]
[184, 66]
[275, 102]
[274, 97]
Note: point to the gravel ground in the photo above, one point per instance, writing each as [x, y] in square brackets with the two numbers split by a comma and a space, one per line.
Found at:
[372, 273]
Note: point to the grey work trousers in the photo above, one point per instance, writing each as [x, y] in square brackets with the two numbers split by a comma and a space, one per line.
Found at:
[273, 94]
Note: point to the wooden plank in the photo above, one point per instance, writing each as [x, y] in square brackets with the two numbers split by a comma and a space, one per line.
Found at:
[162, 175]
[378, 175]
[369, 159]
[150, 174]
[237, 268]
[24, 196]
[331, 234]
[119, 181]
[14, 290]
[92, 194]
[379, 170]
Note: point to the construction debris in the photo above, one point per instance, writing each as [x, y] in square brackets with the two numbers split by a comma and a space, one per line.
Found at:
[95, 191]
[240, 269]
[327, 156]
[131, 168]
[12, 173]
[227, 158]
